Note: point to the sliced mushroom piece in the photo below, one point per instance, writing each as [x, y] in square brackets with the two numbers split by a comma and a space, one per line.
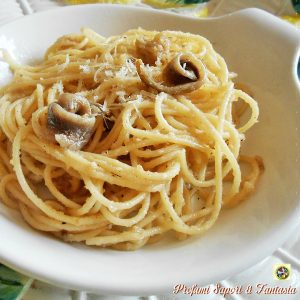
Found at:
[182, 68]
[183, 74]
[71, 121]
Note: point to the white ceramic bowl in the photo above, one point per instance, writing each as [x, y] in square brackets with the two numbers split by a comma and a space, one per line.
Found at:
[264, 51]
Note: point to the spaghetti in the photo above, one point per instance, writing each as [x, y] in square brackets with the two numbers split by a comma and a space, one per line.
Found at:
[117, 141]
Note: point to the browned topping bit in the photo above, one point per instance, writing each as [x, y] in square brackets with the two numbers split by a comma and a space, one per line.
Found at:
[183, 74]
[71, 121]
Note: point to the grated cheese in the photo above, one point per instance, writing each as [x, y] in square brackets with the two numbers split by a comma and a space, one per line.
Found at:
[65, 64]
[85, 69]
[105, 106]
[130, 66]
[138, 100]
[79, 97]
[158, 59]
[101, 66]
[121, 95]
[121, 74]
[109, 73]
[59, 87]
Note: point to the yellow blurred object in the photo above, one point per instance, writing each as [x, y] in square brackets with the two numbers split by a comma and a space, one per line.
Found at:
[164, 3]
[102, 1]
[202, 13]
[295, 20]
